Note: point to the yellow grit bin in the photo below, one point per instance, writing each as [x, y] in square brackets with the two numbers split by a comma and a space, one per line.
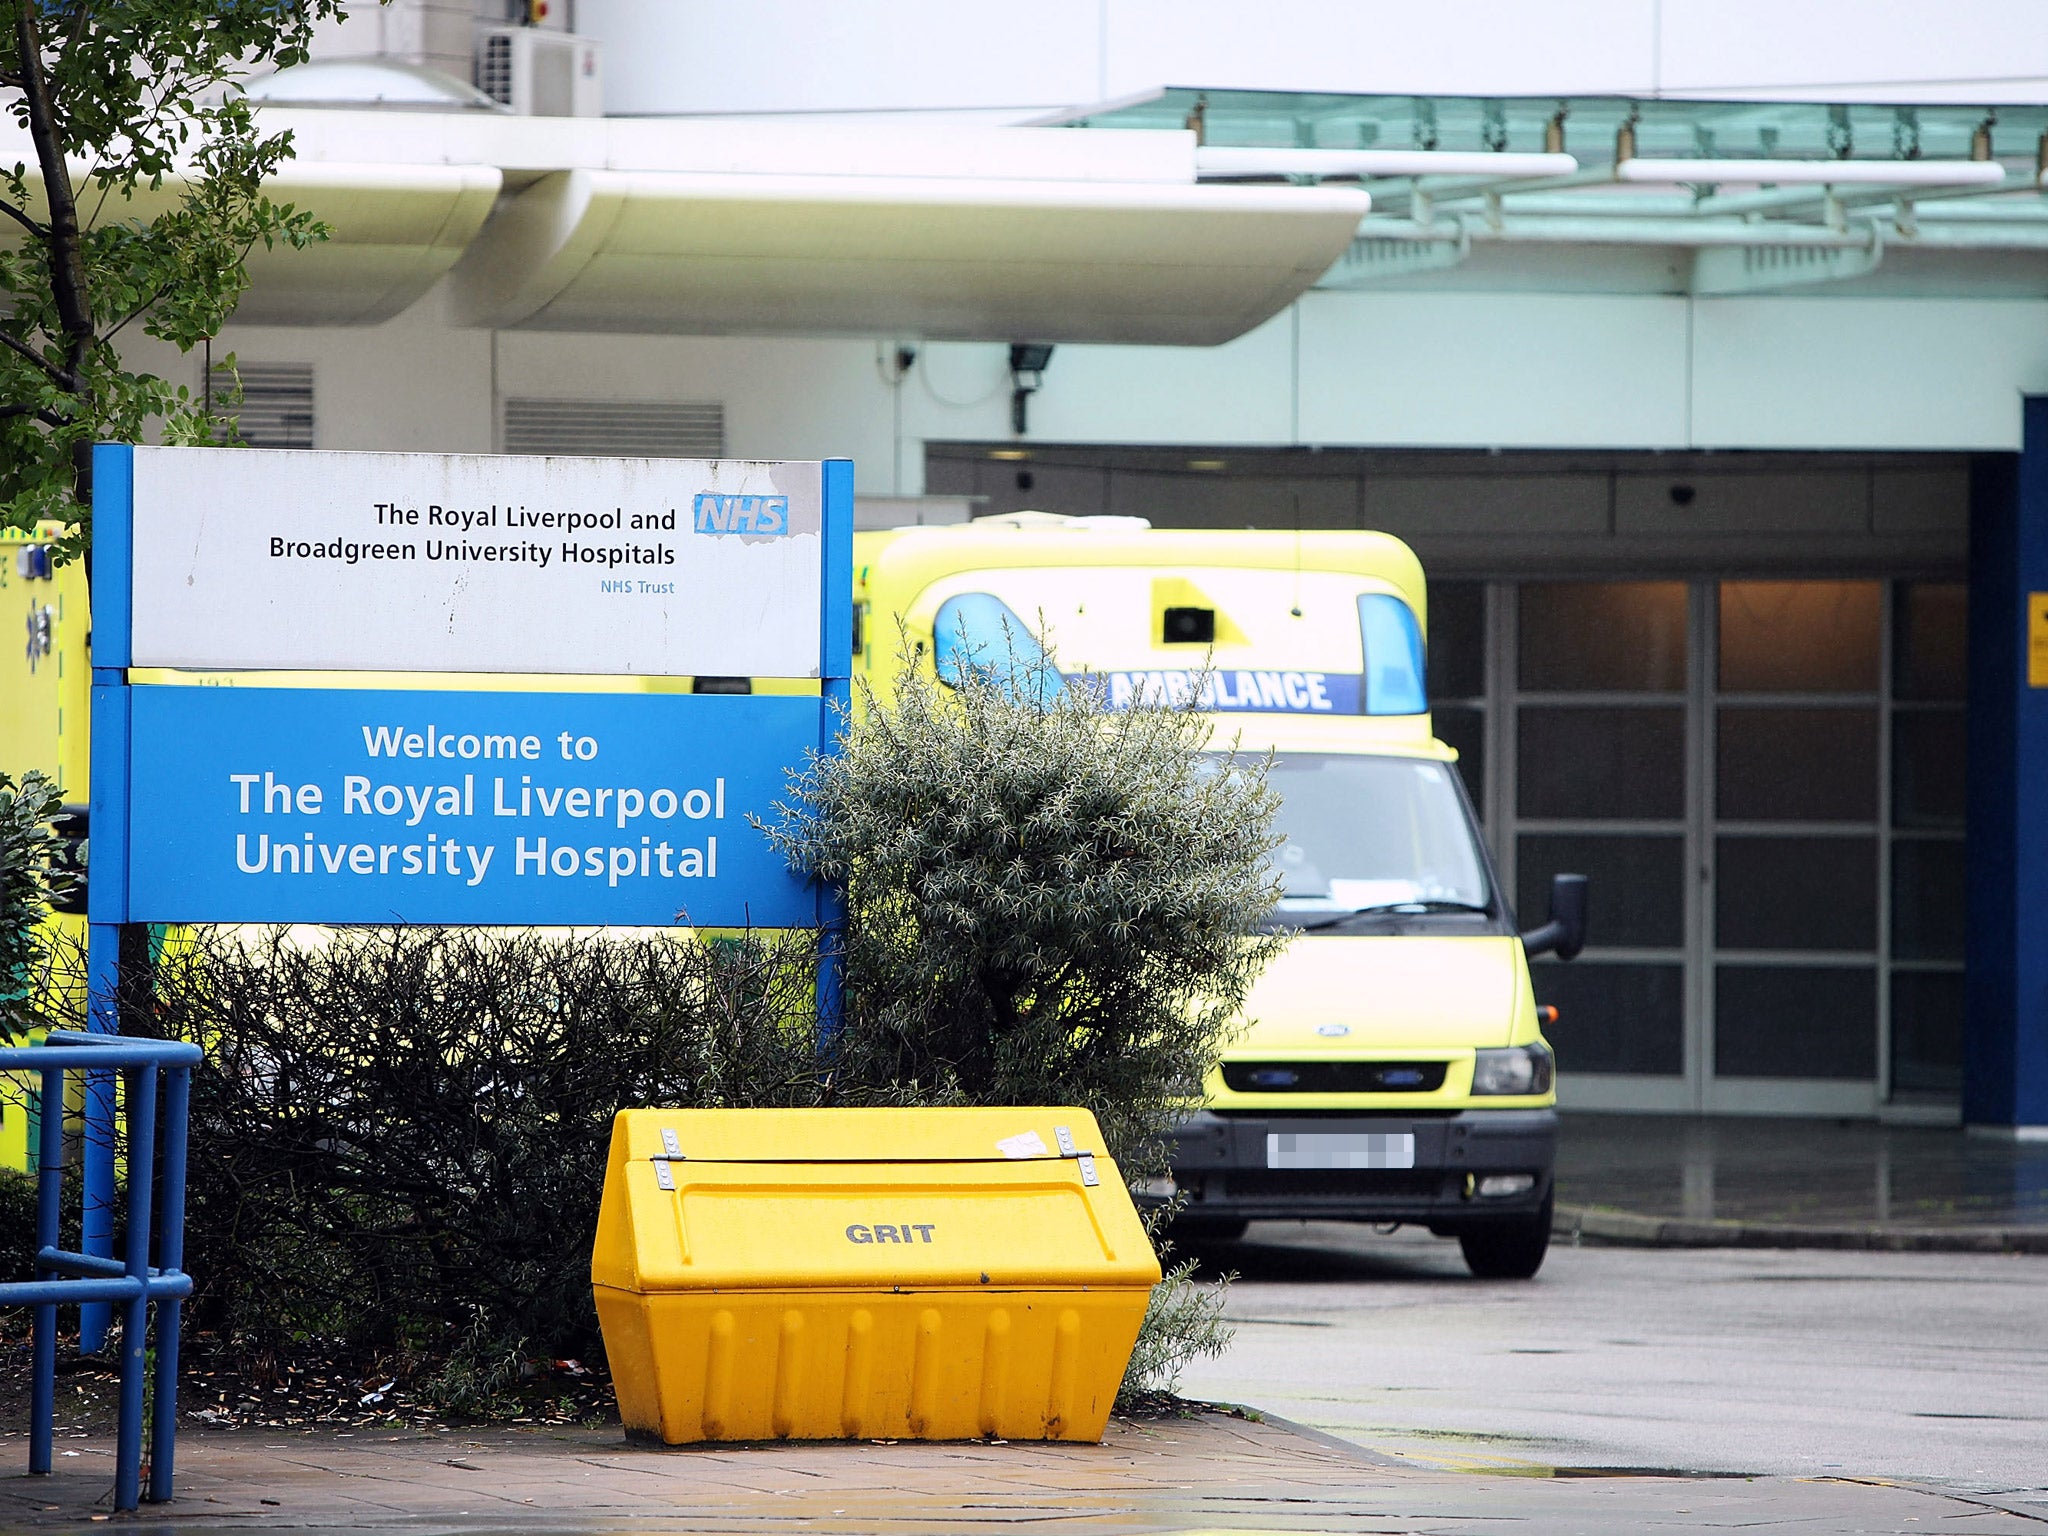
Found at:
[824, 1274]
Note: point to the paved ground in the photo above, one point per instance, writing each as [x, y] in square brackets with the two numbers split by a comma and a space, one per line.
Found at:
[1622, 1390]
[1931, 1367]
[1212, 1476]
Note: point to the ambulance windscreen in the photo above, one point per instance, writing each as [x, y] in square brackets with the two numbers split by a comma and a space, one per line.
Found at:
[1365, 832]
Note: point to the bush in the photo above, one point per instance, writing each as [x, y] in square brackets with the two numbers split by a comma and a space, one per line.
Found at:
[31, 879]
[17, 1226]
[1048, 901]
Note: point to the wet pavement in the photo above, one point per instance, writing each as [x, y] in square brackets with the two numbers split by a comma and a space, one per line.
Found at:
[1926, 1366]
[1676, 1173]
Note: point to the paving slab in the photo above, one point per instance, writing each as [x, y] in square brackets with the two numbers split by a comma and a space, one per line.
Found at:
[1214, 1473]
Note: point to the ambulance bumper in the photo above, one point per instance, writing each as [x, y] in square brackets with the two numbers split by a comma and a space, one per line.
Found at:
[1461, 1170]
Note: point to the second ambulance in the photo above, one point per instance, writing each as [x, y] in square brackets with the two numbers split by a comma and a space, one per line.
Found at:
[1392, 1068]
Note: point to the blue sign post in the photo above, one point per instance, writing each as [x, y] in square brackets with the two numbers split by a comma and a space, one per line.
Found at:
[310, 799]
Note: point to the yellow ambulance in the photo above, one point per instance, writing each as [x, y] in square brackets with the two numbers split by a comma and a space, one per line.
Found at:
[45, 697]
[1392, 1067]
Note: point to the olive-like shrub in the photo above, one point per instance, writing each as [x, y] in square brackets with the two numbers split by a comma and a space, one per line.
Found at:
[1047, 900]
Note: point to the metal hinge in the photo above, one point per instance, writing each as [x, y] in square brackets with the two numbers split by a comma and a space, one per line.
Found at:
[672, 1151]
[1065, 1138]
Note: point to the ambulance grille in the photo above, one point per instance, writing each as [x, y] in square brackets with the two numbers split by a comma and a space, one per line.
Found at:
[1334, 1076]
[1329, 1183]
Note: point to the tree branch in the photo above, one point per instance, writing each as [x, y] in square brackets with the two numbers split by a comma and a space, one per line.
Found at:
[139, 310]
[66, 250]
[47, 418]
[21, 218]
[23, 350]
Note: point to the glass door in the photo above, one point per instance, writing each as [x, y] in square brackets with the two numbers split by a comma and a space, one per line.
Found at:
[1925, 889]
[1602, 784]
[1764, 780]
[1791, 1005]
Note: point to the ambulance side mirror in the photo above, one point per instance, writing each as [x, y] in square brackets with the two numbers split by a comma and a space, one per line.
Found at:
[1565, 934]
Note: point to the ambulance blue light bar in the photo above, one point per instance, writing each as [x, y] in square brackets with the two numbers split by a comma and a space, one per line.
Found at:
[977, 632]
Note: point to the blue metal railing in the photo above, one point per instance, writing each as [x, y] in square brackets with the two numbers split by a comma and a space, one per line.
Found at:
[67, 1279]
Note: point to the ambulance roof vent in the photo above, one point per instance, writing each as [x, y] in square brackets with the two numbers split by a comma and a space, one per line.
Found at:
[1042, 522]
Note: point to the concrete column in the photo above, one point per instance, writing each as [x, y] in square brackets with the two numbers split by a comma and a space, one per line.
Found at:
[2005, 1038]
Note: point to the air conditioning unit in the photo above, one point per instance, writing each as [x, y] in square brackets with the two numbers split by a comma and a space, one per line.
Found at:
[541, 73]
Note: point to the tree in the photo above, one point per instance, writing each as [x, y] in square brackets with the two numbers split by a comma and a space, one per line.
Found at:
[144, 201]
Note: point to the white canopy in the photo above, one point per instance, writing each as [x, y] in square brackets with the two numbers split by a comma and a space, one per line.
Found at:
[706, 227]
[934, 257]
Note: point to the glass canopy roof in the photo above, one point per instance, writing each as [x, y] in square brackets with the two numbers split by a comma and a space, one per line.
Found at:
[1770, 194]
[1587, 126]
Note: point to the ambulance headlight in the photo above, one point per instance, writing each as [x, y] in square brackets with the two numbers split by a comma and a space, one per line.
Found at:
[1519, 1070]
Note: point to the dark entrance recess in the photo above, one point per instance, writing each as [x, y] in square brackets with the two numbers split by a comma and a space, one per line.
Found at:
[1727, 686]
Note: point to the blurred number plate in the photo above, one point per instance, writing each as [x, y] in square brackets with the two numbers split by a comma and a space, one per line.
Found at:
[1329, 1149]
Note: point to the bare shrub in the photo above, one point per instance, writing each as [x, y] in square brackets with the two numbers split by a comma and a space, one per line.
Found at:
[399, 1136]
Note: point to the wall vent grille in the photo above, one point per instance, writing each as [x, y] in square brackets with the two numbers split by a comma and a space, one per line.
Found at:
[277, 403]
[494, 68]
[626, 429]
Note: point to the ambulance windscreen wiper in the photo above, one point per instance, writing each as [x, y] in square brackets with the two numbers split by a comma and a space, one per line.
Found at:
[1392, 908]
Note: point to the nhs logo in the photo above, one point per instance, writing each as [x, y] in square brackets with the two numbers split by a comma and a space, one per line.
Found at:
[760, 516]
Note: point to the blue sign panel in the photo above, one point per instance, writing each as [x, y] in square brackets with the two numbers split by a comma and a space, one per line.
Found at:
[389, 806]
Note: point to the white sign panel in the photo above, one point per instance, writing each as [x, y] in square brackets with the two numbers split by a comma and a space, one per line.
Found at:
[410, 562]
